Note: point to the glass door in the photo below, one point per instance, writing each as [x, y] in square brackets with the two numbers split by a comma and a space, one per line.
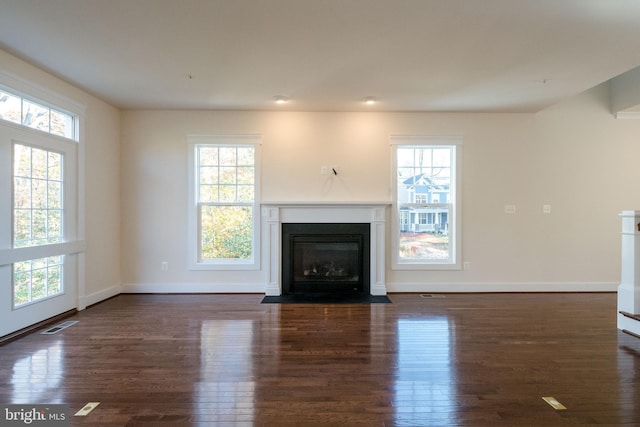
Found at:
[38, 236]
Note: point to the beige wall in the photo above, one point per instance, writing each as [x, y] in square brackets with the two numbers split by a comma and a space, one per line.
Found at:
[574, 156]
[101, 145]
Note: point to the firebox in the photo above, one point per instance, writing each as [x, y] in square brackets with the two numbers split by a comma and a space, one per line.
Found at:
[325, 258]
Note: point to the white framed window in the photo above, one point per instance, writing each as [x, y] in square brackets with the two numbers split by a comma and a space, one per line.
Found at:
[224, 202]
[28, 112]
[38, 213]
[426, 211]
[41, 206]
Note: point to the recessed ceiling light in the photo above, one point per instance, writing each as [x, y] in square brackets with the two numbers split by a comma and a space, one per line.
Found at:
[281, 99]
[369, 100]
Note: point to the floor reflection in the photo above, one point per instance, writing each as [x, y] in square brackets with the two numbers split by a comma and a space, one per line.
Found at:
[628, 366]
[36, 375]
[226, 387]
[424, 391]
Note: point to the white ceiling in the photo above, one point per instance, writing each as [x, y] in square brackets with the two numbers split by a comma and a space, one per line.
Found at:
[327, 55]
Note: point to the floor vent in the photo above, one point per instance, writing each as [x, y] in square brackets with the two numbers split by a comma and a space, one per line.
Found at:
[59, 327]
[431, 296]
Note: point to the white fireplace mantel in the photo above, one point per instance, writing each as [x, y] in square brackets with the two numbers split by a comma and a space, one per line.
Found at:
[277, 213]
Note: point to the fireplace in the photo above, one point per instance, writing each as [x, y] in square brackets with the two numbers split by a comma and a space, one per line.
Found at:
[278, 216]
[325, 258]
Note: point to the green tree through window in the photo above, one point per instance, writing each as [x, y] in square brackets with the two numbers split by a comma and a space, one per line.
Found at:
[37, 220]
[225, 193]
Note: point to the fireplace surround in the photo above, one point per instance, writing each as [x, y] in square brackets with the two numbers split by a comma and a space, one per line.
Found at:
[369, 214]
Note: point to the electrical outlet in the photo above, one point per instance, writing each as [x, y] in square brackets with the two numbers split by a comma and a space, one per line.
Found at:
[546, 209]
[466, 265]
[510, 209]
[323, 170]
[164, 265]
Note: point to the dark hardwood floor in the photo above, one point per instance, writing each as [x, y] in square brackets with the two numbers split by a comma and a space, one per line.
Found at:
[462, 360]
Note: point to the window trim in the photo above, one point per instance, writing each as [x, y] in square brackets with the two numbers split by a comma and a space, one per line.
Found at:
[73, 247]
[194, 262]
[455, 227]
[30, 92]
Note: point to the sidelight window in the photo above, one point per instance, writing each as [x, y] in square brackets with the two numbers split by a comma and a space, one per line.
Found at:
[41, 216]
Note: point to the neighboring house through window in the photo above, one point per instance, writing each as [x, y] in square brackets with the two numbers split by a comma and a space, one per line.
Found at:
[426, 209]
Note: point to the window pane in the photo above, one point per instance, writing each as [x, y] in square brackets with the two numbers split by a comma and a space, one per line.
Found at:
[21, 287]
[36, 279]
[25, 112]
[35, 115]
[22, 160]
[54, 166]
[37, 196]
[10, 107]
[38, 283]
[245, 156]
[424, 182]
[21, 227]
[38, 193]
[245, 175]
[54, 194]
[245, 193]
[208, 193]
[208, 175]
[38, 163]
[22, 192]
[54, 285]
[54, 226]
[228, 156]
[226, 232]
[225, 177]
[404, 173]
[442, 157]
[424, 233]
[39, 225]
[22, 266]
[208, 156]
[62, 124]
[227, 193]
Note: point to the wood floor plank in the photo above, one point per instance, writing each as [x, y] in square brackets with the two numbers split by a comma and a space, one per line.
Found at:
[462, 360]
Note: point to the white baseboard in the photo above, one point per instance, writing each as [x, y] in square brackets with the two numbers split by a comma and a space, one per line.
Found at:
[182, 287]
[504, 287]
[96, 297]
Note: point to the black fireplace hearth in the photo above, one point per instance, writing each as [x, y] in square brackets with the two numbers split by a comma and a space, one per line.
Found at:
[325, 258]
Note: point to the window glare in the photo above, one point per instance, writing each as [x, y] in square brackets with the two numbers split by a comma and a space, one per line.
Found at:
[10, 107]
[35, 116]
[62, 124]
